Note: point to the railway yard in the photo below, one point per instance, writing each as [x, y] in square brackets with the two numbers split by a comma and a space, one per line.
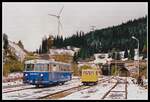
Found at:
[108, 88]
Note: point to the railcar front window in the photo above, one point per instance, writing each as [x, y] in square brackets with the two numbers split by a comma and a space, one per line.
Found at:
[29, 67]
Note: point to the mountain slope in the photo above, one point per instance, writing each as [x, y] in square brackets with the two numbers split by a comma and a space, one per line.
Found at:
[17, 51]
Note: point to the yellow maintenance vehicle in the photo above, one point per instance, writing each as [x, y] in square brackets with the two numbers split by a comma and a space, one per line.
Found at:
[89, 75]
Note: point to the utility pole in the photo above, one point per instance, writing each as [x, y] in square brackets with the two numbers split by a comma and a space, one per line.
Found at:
[116, 62]
[133, 37]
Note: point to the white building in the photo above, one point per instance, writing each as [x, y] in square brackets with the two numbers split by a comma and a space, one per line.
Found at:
[75, 49]
[101, 58]
[122, 54]
[136, 55]
[80, 64]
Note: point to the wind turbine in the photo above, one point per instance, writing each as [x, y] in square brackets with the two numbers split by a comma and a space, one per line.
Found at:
[58, 17]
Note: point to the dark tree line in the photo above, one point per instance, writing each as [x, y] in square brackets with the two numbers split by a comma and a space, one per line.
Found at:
[77, 40]
[5, 46]
[46, 45]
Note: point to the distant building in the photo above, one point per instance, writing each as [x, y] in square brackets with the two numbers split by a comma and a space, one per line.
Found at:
[61, 51]
[68, 47]
[80, 64]
[136, 55]
[101, 58]
[75, 49]
[122, 54]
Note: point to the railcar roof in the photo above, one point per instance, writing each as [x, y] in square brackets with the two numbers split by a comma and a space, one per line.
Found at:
[41, 61]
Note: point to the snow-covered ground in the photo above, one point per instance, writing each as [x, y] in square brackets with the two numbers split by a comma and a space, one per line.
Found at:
[9, 84]
[135, 92]
[93, 93]
[39, 92]
[12, 76]
[5, 90]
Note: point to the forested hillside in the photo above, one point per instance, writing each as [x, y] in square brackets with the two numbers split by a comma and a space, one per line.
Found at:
[116, 38]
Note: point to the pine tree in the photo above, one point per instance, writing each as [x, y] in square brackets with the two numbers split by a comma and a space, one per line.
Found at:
[37, 51]
[75, 57]
[113, 53]
[43, 46]
[40, 50]
[20, 44]
[50, 41]
[5, 39]
[118, 56]
[126, 53]
[131, 53]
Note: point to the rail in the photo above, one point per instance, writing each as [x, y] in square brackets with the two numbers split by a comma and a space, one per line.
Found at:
[118, 91]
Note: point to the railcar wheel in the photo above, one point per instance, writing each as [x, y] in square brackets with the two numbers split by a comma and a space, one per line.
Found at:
[95, 83]
[61, 83]
[85, 84]
[37, 86]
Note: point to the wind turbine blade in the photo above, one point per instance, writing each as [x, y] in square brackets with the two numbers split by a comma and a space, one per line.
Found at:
[61, 10]
[53, 15]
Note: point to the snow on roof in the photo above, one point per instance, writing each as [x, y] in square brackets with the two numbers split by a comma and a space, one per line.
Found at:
[41, 61]
[61, 51]
[124, 59]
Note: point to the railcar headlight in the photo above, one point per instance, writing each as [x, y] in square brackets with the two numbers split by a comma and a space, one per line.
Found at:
[26, 74]
[41, 75]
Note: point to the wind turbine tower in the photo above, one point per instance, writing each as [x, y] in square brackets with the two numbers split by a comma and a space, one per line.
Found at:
[58, 18]
[93, 29]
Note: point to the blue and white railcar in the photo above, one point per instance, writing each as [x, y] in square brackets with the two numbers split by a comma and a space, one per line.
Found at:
[44, 72]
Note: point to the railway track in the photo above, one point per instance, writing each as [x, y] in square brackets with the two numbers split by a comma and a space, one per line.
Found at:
[66, 92]
[18, 89]
[63, 93]
[13, 86]
[116, 94]
[32, 87]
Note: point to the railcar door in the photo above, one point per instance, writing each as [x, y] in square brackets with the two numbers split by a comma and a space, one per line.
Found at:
[54, 69]
[51, 74]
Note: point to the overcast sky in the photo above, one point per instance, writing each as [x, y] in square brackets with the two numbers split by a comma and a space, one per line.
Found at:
[29, 22]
